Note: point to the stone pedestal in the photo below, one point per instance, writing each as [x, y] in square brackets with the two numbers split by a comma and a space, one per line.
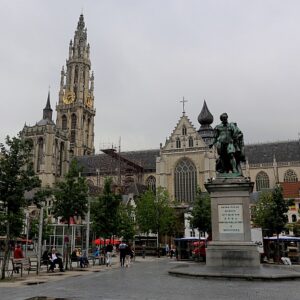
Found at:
[231, 244]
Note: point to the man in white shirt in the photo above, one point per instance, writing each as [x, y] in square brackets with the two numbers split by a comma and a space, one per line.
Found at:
[55, 259]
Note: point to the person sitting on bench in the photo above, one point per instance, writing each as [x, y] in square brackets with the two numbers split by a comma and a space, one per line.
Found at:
[54, 258]
[18, 253]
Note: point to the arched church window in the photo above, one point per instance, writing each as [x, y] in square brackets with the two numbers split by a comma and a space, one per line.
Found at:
[64, 122]
[191, 142]
[40, 154]
[73, 121]
[178, 143]
[185, 181]
[294, 218]
[29, 142]
[76, 80]
[73, 128]
[290, 176]
[151, 183]
[262, 181]
[61, 158]
[88, 132]
[183, 130]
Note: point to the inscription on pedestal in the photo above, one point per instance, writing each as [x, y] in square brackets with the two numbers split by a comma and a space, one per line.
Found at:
[230, 218]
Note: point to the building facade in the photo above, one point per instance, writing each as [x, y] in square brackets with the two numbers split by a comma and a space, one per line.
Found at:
[180, 165]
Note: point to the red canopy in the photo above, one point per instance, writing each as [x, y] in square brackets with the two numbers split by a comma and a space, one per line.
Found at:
[199, 243]
[102, 241]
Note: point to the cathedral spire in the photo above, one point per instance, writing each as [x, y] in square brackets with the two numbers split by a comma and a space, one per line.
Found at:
[47, 111]
[81, 25]
[75, 109]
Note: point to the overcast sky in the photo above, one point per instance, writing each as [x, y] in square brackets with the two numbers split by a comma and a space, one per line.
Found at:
[242, 57]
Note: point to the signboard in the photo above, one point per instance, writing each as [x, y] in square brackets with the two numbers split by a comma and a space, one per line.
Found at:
[230, 218]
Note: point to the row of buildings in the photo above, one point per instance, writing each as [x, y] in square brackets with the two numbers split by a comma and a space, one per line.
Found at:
[180, 164]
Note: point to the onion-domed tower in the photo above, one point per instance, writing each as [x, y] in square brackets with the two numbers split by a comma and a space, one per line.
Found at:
[205, 119]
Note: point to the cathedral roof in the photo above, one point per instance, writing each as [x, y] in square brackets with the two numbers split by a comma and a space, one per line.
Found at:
[283, 151]
[108, 165]
[45, 122]
[255, 153]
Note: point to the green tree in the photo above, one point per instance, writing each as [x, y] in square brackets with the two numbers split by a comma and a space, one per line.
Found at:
[71, 197]
[201, 213]
[34, 227]
[16, 177]
[125, 222]
[154, 213]
[105, 212]
[270, 213]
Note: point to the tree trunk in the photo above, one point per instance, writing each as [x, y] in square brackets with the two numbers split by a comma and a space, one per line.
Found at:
[6, 250]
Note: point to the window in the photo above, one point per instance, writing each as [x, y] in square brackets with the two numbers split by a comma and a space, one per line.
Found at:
[178, 143]
[262, 181]
[73, 128]
[73, 121]
[151, 183]
[61, 158]
[40, 154]
[64, 122]
[290, 176]
[88, 132]
[185, 181]
[183, 130]
[191, 142]
[294, 218]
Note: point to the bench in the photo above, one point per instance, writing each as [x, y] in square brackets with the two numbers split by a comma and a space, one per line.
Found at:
[100, 258]
[20, 264]
[72, 260]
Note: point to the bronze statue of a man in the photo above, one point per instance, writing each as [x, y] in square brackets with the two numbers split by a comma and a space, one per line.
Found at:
[228, 139]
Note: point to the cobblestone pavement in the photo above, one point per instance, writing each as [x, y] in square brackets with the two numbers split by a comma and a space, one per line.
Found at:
[146, 280]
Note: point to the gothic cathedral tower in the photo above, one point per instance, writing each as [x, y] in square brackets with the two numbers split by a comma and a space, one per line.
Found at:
[75, 109]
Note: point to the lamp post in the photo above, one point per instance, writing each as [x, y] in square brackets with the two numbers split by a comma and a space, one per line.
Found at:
[88, 226]
[40, 240]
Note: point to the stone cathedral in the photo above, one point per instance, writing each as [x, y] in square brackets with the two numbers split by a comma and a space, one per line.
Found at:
[180, 164]
[55, 144]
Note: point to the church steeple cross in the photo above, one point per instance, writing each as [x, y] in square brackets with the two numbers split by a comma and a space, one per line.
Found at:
[183, 101]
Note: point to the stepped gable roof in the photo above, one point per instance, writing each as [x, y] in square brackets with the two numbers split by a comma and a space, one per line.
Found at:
[283, 151]
[106, 164]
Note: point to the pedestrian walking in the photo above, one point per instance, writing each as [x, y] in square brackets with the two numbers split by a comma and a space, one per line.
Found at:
[108, 250]
[122, 248]
[128, 256]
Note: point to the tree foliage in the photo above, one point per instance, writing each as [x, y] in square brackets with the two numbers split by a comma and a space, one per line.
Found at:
[270, 212]
[154, 213]
[16, 177]
[201, 213]
[125, 222]
[71, 195]
[104, 212]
